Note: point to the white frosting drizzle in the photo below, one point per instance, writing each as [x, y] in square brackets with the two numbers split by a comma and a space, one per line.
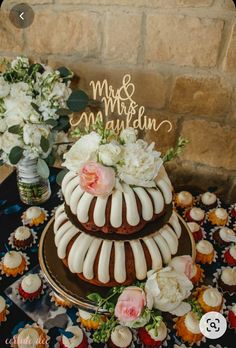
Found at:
[31, 283]
[70, 188]
[70, 175]
[161, 333]
[163, 247]
[158, 200]
[154, 252]
[121, 336]
[166, 190]
[174, 222]
[228, 276]
[226, 232]
[76, 340]
[119, 266]
[59, 220]
[147, 207]
[84, 241]
[192, 323]
[103, 264]
[204, 247]
[75, 197]
[132, 214]
[28, 338]
[64, 241]
[116, 209]
[99, 213]
[2, 304]
[88, 268]
[185, 197]
[197, 214]
[212, 297]
[221, 213]
[12, 259]
[194, 227]
[61, 231]
[22, 233]
[83, 207]
[232, 251]
[208, 198]
[59, 211]
[170, 238]
[139, 259]
[163, 175]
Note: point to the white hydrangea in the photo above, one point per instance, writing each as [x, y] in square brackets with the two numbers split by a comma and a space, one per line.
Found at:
[17, 108]
[9, 140]
[4, 88]
[109, 154]
[85, 149]
[139, 164]
[32, 133]
[20, 89]
[128, 135]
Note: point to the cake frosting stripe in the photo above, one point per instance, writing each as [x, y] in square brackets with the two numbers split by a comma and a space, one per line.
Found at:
[99, 214]
[164, 248]
[166, 190]
[83, 207]
[147, 206]
[139, 259]
[71, 186]
[170, 238]
[103, 264]
[174, 222]
[154, 252]
[116, 209]
[64, 241]
[119, 266]
[74, 200]
[84, 242]
[70, 175]
[61, 231]
[132, 214]
[88, 268]
[158, 200]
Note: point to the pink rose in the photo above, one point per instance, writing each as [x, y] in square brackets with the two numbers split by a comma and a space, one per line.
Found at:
[130, 304]
[182, 264]
[97, 179]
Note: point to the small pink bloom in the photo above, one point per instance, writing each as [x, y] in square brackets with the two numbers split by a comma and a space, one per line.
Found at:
[97, 179]
[130, 304]
[182, 264]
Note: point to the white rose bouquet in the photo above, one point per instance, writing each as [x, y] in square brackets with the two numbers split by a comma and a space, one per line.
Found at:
[35, 102]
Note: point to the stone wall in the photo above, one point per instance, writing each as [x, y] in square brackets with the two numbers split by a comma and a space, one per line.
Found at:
[182, 57]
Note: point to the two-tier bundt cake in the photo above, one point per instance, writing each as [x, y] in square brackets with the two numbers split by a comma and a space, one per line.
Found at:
[117, 221]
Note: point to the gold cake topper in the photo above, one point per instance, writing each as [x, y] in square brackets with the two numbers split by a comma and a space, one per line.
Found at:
[119, 102]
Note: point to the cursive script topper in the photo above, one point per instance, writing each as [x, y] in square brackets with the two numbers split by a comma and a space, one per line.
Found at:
[121, 105]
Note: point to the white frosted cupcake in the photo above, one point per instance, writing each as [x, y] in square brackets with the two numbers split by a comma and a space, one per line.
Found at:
[73, 337]
[195, 215]
[232, 316]
[13, 263]
[34, 216]
[196, 230]
[230, 255]
[224, 236]
[153, 337]
[34, 335]
[218, 217]
[121, 337]
[184, 199]
[188, 329]
[210, 299]
[208, 200]
[205, 252]
[86, 319]
[23, 237]
[227, 280]
[31, 287]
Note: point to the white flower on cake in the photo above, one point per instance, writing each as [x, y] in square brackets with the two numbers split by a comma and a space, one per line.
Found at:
[139, 164]
[128, 135]
[85, 149]
[109, 154]
[167, 289]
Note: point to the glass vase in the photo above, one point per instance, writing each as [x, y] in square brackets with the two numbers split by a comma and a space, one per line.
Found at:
[33, 189]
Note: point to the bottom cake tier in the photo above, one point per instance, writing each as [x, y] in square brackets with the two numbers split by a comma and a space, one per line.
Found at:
[105, 262]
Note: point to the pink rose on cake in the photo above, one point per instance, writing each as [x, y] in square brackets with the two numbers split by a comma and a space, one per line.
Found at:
[182, 264]
[130, 308]
[97, 179]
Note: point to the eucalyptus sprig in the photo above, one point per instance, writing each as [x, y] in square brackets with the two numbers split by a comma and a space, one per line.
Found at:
[196, 308]
[102, 334]
[106, 303]
[176, 151]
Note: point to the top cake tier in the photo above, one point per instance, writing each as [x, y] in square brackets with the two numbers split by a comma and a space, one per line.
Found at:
[126, 210]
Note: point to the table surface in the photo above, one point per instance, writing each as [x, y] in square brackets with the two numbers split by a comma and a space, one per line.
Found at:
[11, 209]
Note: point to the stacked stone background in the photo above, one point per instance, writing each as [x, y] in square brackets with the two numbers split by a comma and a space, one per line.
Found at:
[182, 57]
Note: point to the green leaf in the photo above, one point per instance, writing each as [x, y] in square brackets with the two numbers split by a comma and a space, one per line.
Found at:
[63, 124]
[35, 107]
[65, 73]
[63, 112]
[36, 68]
[15, 129]
[44, 143]
[51, 122]
[50, 160]
[15, 154]
[95, 297]
[60, 176]
[78, 101]
[42, 168]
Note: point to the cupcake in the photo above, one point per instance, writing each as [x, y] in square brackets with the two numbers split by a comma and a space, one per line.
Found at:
[205, 252]
[121, 337]
[195, 215]
[153, 337]
[188, 329]
[210, 299]
[184, 199]
[232, 317]
[87, 320]
[59, 301]
[218, 217]
[196, 231]
[73, 337]
[208, 200]
[230, 255]
[31, 287]
[3, 309]
[223, 236]
[34, 216]
[233, 211]
[197, 274]
[33, 335]
[23, 237]
[13, 263]
[227, 280]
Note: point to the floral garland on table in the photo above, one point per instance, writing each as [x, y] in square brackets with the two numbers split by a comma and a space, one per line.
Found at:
[35, 102]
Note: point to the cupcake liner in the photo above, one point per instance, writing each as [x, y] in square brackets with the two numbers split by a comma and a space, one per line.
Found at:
[231, 208]
[27, 222]
[53, 300]
[202, 276]
[226, 313]
[6, 314]
[34, 325]
[27, 263]
[227, 224]
[87, 334]
[60, 195]
[204, 207]
[203, 339]
[44, 286]
[10, 241]
[223, 253]
[204, 287]
[211, 233]
[53, 211]
[216, 276]
[164, 343]
[181, 207]
[200, 223]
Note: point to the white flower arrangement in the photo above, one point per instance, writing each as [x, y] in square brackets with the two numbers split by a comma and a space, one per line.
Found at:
[34, 107]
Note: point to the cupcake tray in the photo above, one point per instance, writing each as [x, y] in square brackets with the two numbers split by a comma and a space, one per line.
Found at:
[69, 286]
